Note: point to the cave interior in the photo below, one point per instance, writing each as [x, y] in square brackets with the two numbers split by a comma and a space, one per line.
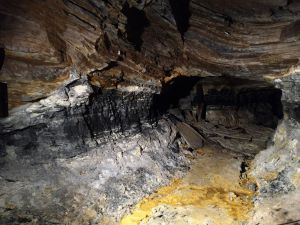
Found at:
[149, 112]
[224, 110]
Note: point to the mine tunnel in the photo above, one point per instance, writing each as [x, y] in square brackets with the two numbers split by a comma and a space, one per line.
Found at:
[143, 112]
[227, 111]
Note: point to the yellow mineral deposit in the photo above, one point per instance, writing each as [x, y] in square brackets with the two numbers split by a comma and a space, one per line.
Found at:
[214, 188]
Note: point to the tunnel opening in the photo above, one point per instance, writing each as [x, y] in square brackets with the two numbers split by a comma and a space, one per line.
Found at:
[237, 114]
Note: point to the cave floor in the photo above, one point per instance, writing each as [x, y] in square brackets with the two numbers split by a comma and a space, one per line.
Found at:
[212, 192]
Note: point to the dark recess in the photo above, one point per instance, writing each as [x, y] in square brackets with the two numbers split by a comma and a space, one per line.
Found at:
[3, 100]
[181, 13]
[136, 24]
[2, 56]
[172, 92]
[264, 103]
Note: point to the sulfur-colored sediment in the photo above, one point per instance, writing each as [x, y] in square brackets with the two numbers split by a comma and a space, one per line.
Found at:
[209, 190]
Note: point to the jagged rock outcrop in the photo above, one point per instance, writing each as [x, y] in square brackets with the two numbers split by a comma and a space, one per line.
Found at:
[80, 140]
[75, 119]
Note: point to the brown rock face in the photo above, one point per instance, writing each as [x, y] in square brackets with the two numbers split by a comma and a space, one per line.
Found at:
[138, 40]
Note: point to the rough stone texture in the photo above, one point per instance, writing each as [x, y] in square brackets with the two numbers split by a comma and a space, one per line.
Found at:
[216, 197]
[277, 172]
[277, 169]
[90, 70]
[104, 182]
[82, 156]
[44, 40]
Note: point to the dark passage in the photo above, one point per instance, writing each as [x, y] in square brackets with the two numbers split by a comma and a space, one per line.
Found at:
[240, 99]
[172, 92]
[238, 114]
[136, 23]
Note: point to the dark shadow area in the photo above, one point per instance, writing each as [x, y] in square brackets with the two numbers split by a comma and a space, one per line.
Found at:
[172, 92]
[263, 103]
[233, 113]
[3, 100]
[181, 13]
[2, 56]
[222, 100]
[136, 23]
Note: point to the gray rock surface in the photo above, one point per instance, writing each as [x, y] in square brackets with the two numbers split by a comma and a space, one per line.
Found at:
[82, 156]
[277, 169]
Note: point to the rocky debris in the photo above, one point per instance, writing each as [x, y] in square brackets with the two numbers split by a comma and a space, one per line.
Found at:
[290, 88]
[290, 95]
[232, 117]
[240, 139]
[193, 139]
[282, 210]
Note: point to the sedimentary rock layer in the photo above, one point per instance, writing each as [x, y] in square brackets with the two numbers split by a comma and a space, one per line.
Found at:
[147, 39]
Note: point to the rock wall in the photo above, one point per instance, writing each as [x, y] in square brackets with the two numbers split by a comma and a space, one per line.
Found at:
[277, 169]
[81, 144]
[84, 155]
[76, 118]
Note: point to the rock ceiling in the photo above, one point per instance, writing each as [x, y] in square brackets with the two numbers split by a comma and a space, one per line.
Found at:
[137, 40]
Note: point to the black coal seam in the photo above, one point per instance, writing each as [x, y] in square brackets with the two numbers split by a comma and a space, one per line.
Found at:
[84, 115]
[115, 114]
